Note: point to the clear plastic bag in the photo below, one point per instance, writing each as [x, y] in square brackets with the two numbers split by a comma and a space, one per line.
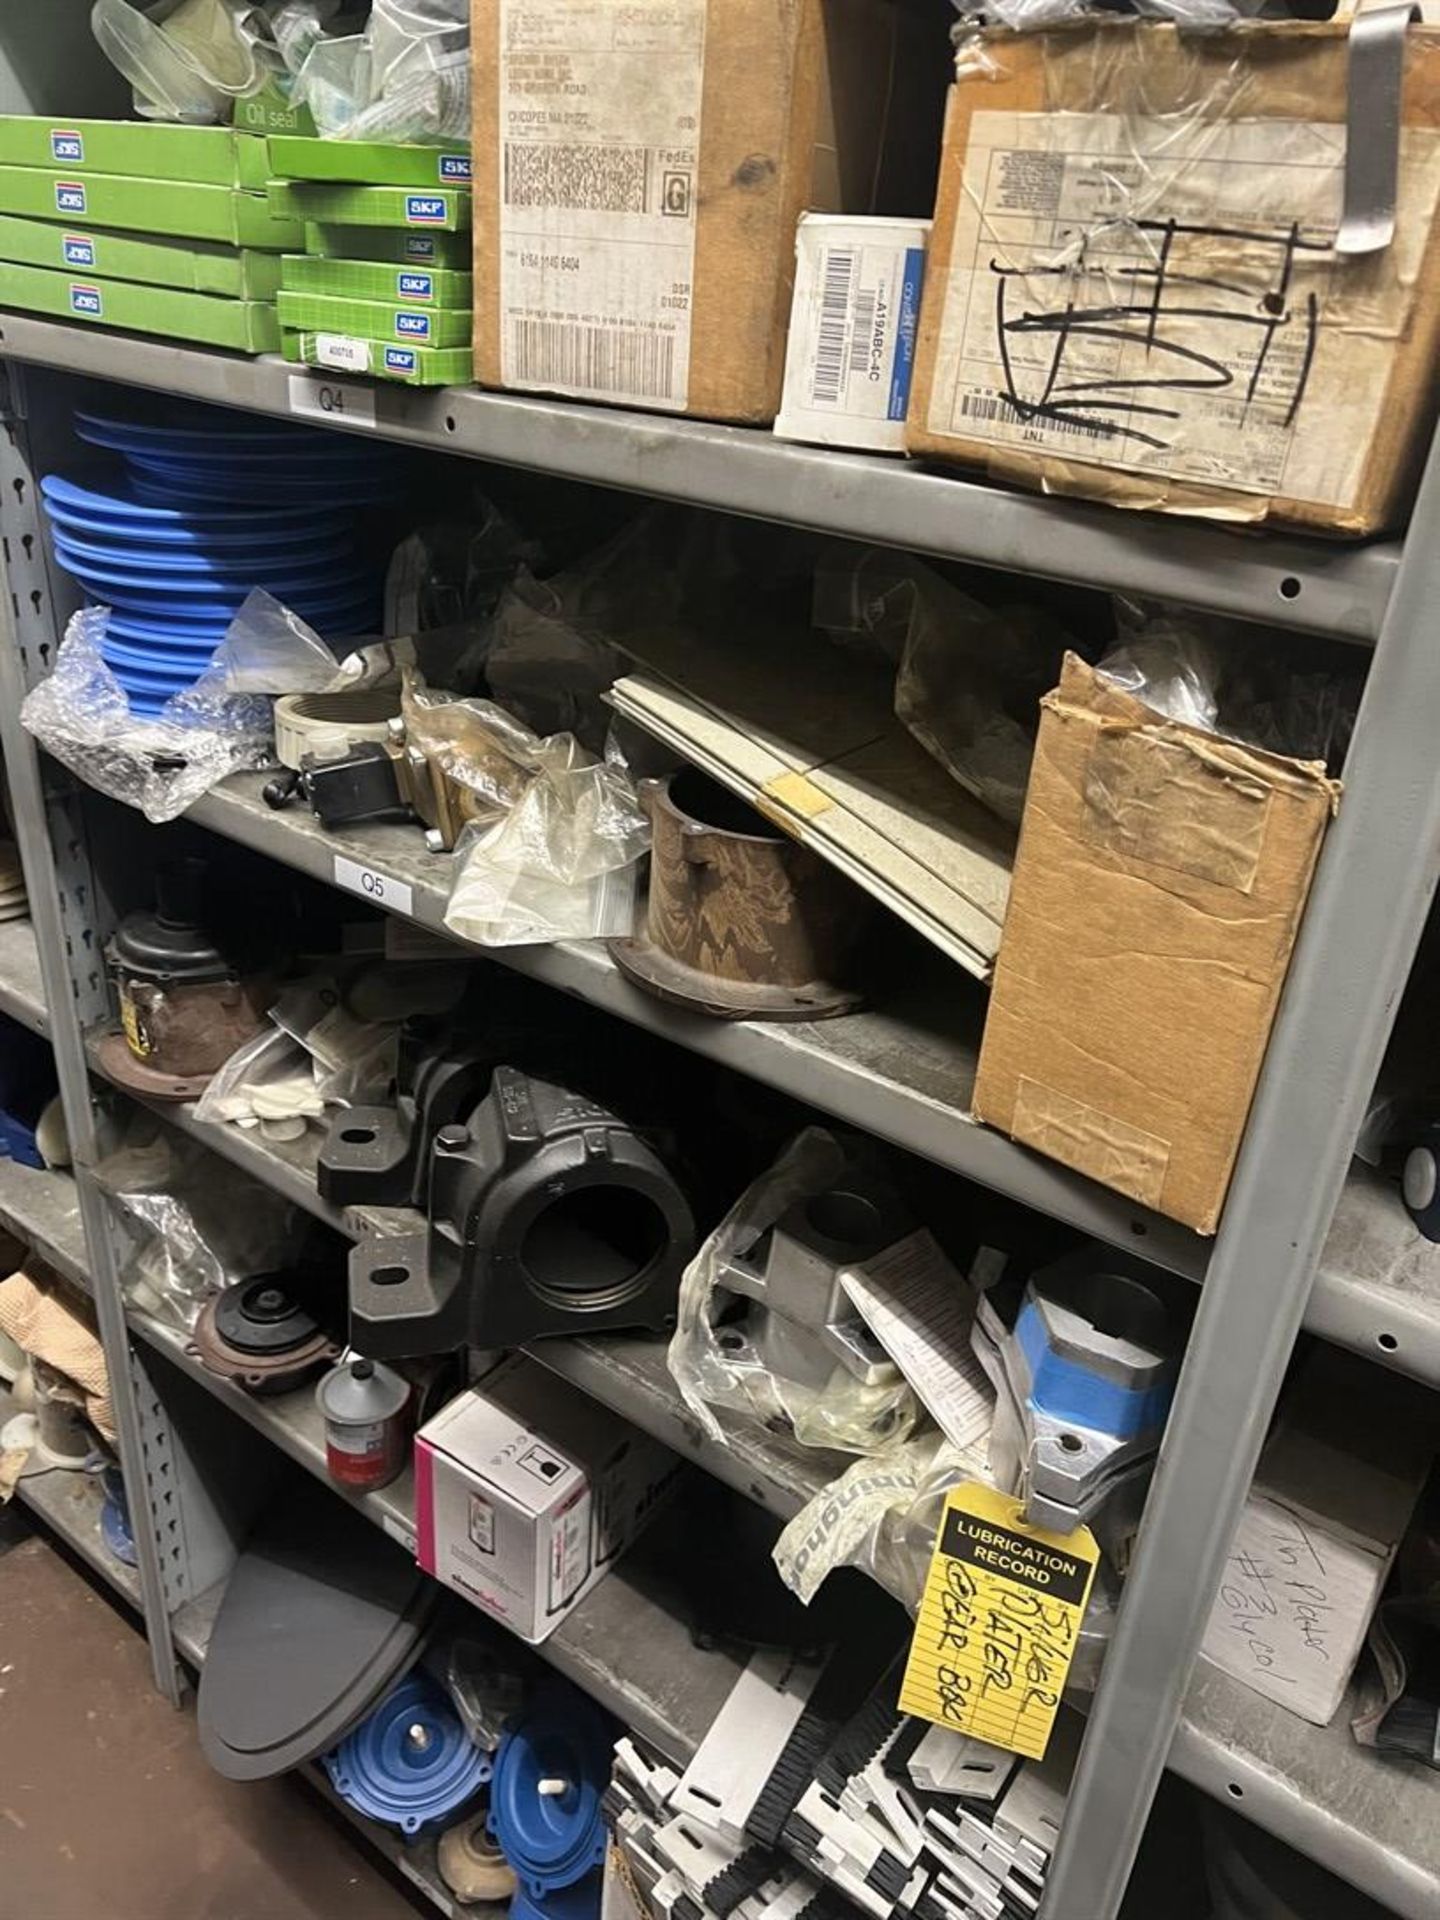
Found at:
[485, 1689]
[314, 1055]
[406, 77]
[1035, 16]
[161, 766]
[186, 59]
[714, 1365]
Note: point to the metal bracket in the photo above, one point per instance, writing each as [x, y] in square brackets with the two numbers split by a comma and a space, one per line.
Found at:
[1372, 128]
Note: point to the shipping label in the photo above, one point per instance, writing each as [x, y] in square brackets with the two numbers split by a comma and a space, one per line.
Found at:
[599, 148]
[1163, 296]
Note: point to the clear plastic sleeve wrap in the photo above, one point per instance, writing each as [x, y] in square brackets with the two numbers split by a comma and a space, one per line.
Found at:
[1035, 16]
[485, 1688]
[161, 766]
[195, 1224]
[315, 1054]
[405, 77]
[715, 1365]
[187, 59]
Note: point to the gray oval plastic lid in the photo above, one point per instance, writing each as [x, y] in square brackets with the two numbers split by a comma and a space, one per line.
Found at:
[321, 1615]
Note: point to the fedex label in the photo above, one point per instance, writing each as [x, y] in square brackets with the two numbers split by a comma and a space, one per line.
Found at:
[87, 300]
[455, 167]
[426, 209]
[399, 360]
[418, 247]
[79, 250]
[67, 146]
[412, 326]
[69, 196]
[415, 286]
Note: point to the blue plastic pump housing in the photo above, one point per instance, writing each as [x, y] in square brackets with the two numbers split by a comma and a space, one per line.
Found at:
[410, 1763]
[551, 1772]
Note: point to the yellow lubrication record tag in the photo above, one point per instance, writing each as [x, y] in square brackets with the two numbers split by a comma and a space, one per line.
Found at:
[999, 1622]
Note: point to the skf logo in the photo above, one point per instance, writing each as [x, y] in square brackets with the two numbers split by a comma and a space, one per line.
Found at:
[412, 326]
[416, 286]
[67, 147]
[455, 166]
[426, 209]
[87, 300]
[79, 250]
[417, 247]
[399, 360]
[69, 196]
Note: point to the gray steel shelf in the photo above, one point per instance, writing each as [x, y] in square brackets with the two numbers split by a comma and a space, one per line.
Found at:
[1295, 583]
[42, 1209]
[22, 995]
[69, 1502]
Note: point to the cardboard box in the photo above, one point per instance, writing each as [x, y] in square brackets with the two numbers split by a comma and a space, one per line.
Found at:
[415, 324]
[646, 167]
[374, 280]
[526, 1493]
[1158, 887]
[148, 206]
[338, 205]
[248, 326]
[1203, 175]
[384, 359]
[194, 267]
[215, 156]
[852, 331]
[1332, 1496]
[369, 162]
[404, 246]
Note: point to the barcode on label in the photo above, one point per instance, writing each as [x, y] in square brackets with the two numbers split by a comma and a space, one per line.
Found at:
[589, 179]
[860, 337]
[830, 339]
[622, 360]
[992, 406]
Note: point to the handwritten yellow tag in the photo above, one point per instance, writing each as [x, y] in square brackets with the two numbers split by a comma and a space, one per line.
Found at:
[999, 1622]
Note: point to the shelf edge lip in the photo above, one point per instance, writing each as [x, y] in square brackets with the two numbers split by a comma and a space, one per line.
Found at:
[1308, 585]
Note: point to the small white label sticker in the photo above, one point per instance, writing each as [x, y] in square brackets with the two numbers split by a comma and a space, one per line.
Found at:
[378, 887]
[322, 399]
[397, 1530]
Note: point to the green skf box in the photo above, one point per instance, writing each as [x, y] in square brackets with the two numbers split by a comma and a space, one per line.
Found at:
[412, 325]
[199, 267]
[272, 111]
[249, 326]
[432, 210]
[398, 244]
[414, 366]
[374, 163]
[148, 206]
[373, 280]
[213, 156]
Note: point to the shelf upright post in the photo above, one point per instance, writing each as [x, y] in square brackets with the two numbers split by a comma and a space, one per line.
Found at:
[1367, 911]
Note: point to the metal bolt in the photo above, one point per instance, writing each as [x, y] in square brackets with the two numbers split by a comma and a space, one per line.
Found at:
[418, 1735]
[552, 1789]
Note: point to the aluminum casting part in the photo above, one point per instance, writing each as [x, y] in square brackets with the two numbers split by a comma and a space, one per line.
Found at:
[472, 1865]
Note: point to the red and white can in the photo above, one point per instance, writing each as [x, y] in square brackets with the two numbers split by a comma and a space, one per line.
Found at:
[366, 1410]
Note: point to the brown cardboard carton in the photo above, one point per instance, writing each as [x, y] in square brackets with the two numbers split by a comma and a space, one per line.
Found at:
[1132, 289]
[1158, 887]
[639, 171]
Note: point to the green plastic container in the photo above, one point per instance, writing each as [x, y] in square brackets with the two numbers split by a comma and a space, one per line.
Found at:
[372, 280]
[412, 366]
[430, 210]
[414, 324]
[399, 245]
[197, 267]
[370, 163]
[206, 156]
[247, 326]
[148, 206]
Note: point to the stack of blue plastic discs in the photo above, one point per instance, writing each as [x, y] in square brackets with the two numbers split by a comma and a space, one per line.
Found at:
[200, 515]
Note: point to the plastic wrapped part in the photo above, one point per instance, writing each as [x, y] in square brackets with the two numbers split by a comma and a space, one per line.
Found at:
[969, 677]
[196, 1225]
[268, 1076]
[485, 1690]
[186, 59]
[453, 574]
[550, 659]
[405, 78]
[1037, 16]
[80, 715]
[1168, 662]
[713, 1362]
[315, 1054]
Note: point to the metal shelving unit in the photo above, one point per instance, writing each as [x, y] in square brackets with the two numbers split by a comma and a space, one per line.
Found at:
[1306, 1238]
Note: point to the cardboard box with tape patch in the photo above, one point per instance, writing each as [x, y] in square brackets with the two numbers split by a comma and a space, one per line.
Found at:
[1158, 888]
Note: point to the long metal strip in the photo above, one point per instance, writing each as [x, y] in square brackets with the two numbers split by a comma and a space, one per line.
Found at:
[1367, 910]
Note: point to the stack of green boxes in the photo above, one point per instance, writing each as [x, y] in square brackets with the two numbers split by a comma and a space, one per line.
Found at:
[158, 228]
[384, 284]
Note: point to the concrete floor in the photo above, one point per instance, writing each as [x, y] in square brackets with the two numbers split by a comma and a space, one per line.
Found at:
[108, 1810]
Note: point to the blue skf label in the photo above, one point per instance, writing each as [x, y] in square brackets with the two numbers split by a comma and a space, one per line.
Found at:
[399, 360]
[67, 146]
[69, 196]
[426, 209]
[418, 247]
[412, 326]
[910, 285]
[454, 167]
[79, 250]
[415, 286]
[87, 300]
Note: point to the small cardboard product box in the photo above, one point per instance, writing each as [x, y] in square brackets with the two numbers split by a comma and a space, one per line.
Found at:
[642, 170]
[1243, 370]
[852, 331]
[384, 359]
[247, 326]
[159, 150]
[375, 163]
[177, 207]
[415, 324]
[1332, 1497]
[192, 266]
[1158, 887]
[400, 246]
[527, 1492]
[341, 204]
[400, 286]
